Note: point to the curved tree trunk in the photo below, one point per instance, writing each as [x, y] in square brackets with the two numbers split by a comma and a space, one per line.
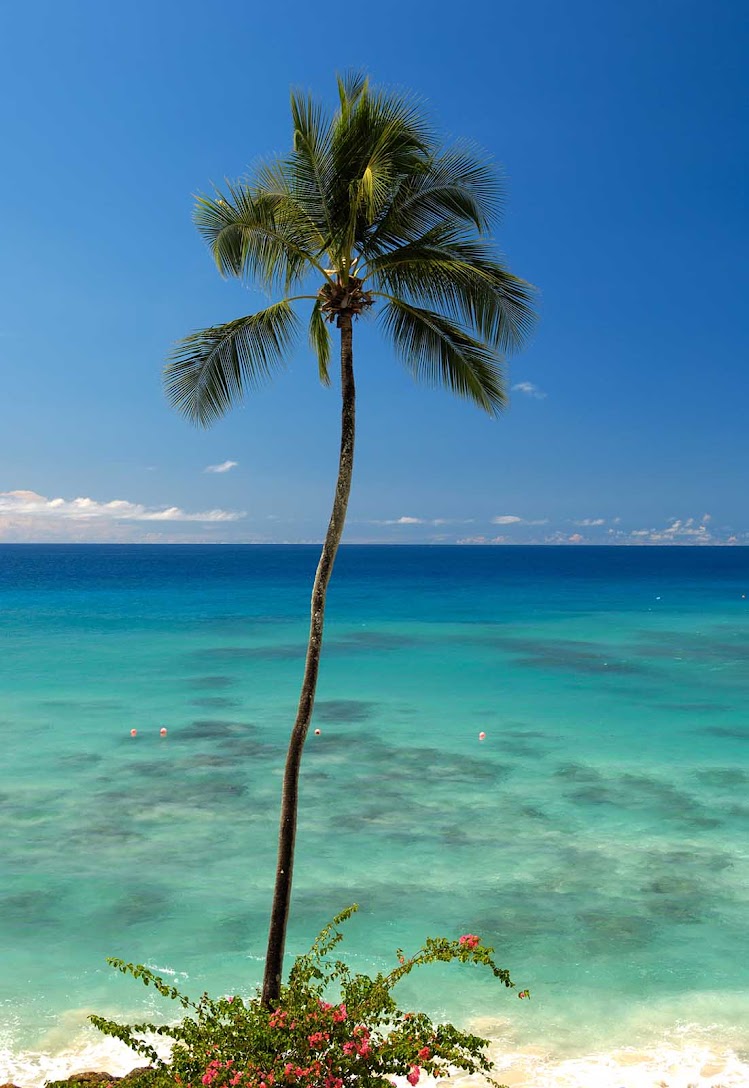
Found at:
[290, 795]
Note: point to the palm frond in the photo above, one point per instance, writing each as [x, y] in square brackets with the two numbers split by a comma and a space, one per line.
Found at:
[210, 370]
[383, 137]
[293, 211]
[351, 86]
[319, 339]
[249, 238]
[441, 353]
[461, 278]
[456, 186]
[310, 167]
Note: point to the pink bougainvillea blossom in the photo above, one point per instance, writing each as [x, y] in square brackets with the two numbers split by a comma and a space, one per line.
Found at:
[413, 1076]
[317, 1039]
[469, 940]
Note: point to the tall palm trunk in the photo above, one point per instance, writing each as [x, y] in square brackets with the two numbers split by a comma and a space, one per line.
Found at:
[290, 796]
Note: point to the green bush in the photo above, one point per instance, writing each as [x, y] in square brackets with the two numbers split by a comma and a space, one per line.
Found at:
[332, 1028]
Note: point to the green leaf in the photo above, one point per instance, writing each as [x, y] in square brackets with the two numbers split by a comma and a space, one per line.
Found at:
[461, 278]
[440, 352]
[456, 187]
[319, 338]
[253, 235]
[351, 86]
[211, 370]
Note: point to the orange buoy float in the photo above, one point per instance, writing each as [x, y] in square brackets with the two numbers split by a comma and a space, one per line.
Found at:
[133, 732]
[162, 732]
[482, 736]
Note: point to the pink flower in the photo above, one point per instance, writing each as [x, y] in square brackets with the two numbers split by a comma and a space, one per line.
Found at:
[317, 1038]
[469, 940]
[413, 1076]
[349, 1048]
[340, 1014]
[424, 1053]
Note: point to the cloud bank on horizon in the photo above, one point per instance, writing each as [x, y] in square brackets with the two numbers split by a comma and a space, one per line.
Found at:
[29, 517]
[26, 516]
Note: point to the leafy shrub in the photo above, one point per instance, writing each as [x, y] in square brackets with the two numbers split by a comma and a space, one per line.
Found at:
[360, 1039]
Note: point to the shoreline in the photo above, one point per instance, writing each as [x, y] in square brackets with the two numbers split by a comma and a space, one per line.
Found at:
[682, 1059]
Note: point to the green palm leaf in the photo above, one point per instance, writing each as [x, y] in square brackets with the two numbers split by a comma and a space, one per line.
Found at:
[209, 370]
[319, 339]
[311, 165]
[455, 186]
[440, 352]
[351, 86]
[250, 239]
[464, 280]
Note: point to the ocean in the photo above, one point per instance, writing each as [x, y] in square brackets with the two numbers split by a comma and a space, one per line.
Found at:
[597, 836]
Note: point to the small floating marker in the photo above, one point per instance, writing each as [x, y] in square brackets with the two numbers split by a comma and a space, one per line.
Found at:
[162, 732]
[318, 732]
[657, 598]
[133, 732]
[482, 736]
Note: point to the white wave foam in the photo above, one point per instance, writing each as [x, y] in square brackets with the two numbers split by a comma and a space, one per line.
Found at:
[31, 1068]
[672, 1054]
[666, 1066]
[661, 1067]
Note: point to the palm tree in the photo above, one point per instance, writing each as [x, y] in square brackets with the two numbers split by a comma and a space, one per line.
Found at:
[367, 211]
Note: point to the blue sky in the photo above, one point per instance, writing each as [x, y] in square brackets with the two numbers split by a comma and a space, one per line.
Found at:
[621, 130]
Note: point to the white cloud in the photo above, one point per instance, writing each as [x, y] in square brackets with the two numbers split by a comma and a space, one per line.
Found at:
[483, 540]
[512, 519]
[588, 522]
[529, 389]
[28, 504]
[678, 531]
[225, 466]
[408, 520]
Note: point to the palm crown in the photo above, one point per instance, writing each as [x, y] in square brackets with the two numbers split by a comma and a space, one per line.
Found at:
[370, 206]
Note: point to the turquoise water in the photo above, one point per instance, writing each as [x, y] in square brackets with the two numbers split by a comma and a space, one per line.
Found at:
[597, 837]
